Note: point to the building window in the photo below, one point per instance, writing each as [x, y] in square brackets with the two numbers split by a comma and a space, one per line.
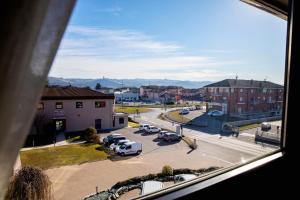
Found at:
[121, 120]
[241, 90]
[79, 104]
[252, 90]
[99, 104]
[40, 106]
[241, 99]
[232, 90]
[264, 90]
[59, 105]
[225, 98]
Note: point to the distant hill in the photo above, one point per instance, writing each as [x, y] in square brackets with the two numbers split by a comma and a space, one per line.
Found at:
[116, 83]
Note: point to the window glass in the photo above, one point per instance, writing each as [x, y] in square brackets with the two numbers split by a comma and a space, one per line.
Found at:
[143, 62]
[79, 104]
[99, 104]
[121, 120]
[59, 105]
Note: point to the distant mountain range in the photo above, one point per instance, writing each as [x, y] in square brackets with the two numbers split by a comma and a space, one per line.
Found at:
[116, 83]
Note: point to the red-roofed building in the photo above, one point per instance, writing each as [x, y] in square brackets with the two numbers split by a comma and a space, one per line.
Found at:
[75, 109]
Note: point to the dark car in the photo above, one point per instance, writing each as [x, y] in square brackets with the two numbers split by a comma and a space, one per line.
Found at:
[171, 137]
[113, 139]
[265, 126]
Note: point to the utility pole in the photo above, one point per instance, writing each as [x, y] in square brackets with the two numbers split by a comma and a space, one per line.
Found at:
[122, 96]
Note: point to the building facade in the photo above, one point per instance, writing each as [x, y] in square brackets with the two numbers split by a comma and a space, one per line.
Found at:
[160, 93]
[234, 96]
[126, 95]
[75, 109]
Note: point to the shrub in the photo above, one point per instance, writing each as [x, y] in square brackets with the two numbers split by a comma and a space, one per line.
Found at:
[90, 135]
[167, 170]
[29, 183]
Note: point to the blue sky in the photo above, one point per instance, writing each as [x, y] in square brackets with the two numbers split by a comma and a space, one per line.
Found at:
[173, 39]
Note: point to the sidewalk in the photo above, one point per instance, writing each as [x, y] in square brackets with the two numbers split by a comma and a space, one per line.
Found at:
[61, 142]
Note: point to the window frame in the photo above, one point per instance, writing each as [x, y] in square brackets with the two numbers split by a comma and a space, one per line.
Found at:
[289, 90]
[121, 118]
[102, 104]
[59, 103]
[78, 107]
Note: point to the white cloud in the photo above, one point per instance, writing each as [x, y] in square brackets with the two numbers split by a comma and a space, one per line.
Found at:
[90, 52]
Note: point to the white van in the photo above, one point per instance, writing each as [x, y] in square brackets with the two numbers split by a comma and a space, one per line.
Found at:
[151, 186]
[129, 148]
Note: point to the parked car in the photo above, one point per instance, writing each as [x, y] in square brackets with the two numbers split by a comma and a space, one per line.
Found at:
[192, 108]
[109, 137]
[117, 143]
[265, 126]
[161, 134]
[153, 129]
[183, 177]
[143, 127]
[129, 148]
[112, 139]
[198, 107]
[151, 186]
[215, 113]
[170, 136]
[184, 111]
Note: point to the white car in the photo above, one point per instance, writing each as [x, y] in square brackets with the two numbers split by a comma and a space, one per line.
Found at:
[215, 113]
[118, 143]
[161, 134]
[143, 127]
[153, 129]
[184, 111]
[183, 177]
[129, 148]
[192, 108]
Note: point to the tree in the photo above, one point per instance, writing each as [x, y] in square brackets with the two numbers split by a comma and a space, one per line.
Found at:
[29, 183]
[90, 135]
[98, 86]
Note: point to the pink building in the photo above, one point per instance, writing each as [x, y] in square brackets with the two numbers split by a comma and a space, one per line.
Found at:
[75, 109]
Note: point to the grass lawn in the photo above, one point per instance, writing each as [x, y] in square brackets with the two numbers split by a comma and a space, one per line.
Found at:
[175, 116]
[73, 139]
[249, 126]
[133, 124]
[189, 141]
[131, 109]
[63, 155]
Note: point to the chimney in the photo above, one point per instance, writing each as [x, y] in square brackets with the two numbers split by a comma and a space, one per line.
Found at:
[236, 78]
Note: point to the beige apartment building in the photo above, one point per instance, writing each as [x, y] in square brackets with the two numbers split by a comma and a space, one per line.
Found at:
[75, 109]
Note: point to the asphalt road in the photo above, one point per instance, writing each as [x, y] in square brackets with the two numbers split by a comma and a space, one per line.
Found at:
[202, 135]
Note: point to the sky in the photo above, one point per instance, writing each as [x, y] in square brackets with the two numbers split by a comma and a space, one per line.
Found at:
[196, 40]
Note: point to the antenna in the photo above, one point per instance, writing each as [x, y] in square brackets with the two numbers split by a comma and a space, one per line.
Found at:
[265, 78]
[236, 77]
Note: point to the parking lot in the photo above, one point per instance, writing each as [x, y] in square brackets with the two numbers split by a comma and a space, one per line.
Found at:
[150, 143]
[155, 155]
